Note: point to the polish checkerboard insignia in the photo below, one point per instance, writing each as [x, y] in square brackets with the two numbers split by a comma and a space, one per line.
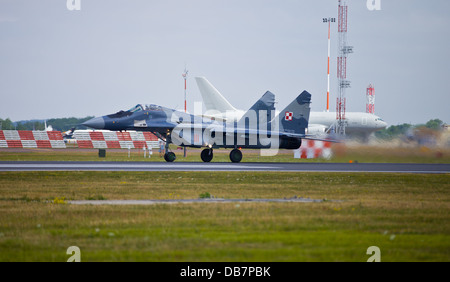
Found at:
[288, 116]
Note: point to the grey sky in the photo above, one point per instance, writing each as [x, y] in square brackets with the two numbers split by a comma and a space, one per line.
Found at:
[114, 54]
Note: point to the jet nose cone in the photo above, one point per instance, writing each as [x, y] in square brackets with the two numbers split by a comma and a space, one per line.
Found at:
[382, 125]
[96, 123]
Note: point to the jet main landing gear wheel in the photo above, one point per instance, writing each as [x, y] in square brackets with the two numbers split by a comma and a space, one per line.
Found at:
[170, 157]
[235, 155]
[207, 155]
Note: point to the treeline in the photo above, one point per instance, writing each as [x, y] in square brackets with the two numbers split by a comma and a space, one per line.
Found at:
[431, 127]
[63, 124]
[60, 124]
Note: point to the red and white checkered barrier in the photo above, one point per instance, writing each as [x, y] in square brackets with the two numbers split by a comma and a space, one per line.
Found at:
[311, 149]
[31, 139]
[115, 139]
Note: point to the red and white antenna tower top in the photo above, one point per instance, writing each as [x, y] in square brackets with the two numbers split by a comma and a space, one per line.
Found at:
[370, 99]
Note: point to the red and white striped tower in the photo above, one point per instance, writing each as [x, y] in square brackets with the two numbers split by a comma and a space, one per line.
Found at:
[370, 99]
[343, 50]
[329, 21]
[184, 74]
[185, 77]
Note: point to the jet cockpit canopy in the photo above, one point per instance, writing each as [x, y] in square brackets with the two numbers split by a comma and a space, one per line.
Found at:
[152, 107]
[136, 108]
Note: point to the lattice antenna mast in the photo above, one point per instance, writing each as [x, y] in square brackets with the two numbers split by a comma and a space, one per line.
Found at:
[343, 51]
[370, 99]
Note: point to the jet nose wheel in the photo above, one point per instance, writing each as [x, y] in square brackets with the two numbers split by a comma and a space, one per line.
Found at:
[207, 155]
[235, 155]
[170, 157]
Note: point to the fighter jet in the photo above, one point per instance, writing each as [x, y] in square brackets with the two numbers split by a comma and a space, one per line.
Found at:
[258, 128]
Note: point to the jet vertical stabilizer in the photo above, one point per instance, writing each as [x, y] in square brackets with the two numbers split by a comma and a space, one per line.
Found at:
[294, 118]
[264, 107]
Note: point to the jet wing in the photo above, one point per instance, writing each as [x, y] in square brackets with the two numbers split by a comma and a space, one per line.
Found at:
[247, 133]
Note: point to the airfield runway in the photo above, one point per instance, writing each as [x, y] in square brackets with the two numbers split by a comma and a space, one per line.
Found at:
[196, 166]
